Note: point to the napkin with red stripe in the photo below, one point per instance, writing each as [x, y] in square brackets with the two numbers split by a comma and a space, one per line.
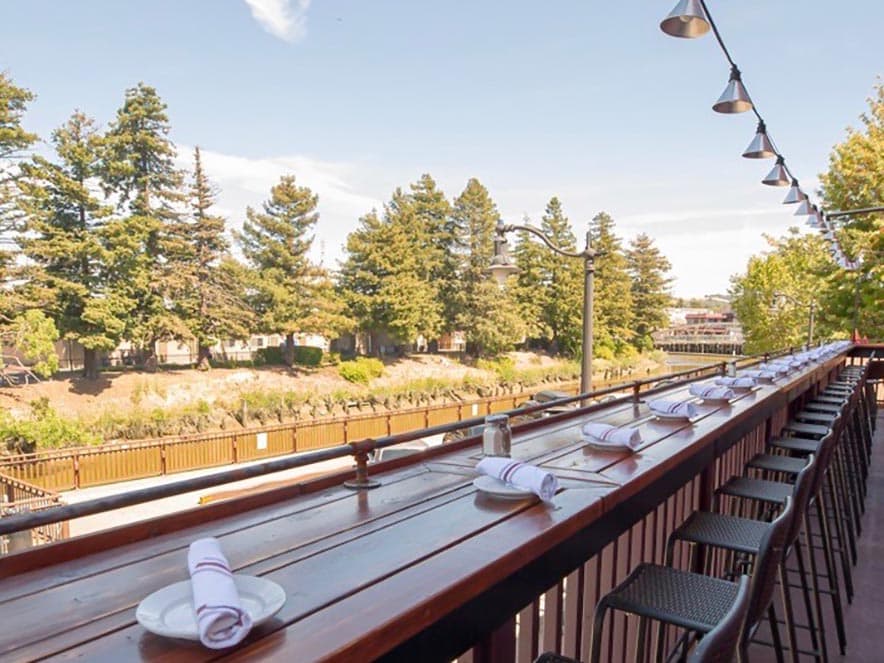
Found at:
[612, 435]
[521, 475]
[221, 620]
[712, 392]
[686, 409]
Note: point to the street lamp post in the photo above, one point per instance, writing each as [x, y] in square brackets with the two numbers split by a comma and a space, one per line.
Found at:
[501, 268]
[811, 306]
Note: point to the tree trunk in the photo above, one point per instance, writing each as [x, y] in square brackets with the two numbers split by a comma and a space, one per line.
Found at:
[289, 354]
[90, 364]
[203, 357]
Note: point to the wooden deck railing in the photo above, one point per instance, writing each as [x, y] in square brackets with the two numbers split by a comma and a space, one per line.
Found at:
[21, 497]
[83, 467]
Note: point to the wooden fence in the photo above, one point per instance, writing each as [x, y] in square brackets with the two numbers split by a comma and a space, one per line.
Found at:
[18, 496]
[83, 467]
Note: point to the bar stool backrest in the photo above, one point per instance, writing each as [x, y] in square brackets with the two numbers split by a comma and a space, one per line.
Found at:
[801, 492]
[720, 644]
[827, 449]
[770, 554]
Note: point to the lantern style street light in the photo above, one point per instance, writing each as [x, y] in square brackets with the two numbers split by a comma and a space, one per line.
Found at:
[501, 268]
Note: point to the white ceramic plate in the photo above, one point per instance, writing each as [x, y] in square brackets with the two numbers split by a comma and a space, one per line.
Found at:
[497, 488]
[674, 416]
[169, 611]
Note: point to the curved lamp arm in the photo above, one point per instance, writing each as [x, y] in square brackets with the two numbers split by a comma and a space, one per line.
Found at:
[588, 252]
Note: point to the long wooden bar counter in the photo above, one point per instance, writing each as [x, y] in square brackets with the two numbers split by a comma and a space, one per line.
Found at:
[422, 568]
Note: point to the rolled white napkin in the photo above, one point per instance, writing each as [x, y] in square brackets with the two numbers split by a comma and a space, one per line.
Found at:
[736, 383]
[666, 407]
[712, 392]
[613, 435]
[220, 617]
[521, 475]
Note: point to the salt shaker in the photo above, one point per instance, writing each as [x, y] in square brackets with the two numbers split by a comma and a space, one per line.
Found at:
[497, 436]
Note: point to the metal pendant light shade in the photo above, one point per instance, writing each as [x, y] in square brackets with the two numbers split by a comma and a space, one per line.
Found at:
[687, 20]
[804, 208]
[760, 147]
[734, 99]
[777, 175]
[795, 195]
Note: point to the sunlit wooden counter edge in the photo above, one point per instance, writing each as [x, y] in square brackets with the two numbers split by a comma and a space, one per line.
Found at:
[441, 598]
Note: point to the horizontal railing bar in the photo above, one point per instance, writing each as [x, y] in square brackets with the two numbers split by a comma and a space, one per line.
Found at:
[56, 514]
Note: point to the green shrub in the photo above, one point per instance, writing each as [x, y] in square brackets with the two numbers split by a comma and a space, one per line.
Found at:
[306, 355]
[43, 429]
[361, 370]
[271, 356]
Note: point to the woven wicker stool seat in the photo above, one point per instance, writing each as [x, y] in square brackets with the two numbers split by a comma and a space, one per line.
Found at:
[775, 463]
[762, 490]
[816, 406]
[811, 417]
[809, 430]
[799, 445]
[716, 529]
[689, 600]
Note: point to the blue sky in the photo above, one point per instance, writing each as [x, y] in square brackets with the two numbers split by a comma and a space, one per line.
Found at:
[585, 100]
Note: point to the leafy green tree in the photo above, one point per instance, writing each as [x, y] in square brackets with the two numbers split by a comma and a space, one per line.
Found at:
[649, 270]
[290, 294]
[212, 302]
[798, 267]
[65, 244]
[485, 312]
[138, 170]
[34, 335]
[612, 307]
[854, 181]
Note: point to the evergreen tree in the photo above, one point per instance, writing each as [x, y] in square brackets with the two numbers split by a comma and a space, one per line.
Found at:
[66, 245]
[435, 239]
[211, 303]
[291, 295]
[612, 308]
[854, 181]
[530, 285]
[486, 314]
[650, 289]
[139, 171]
[14, 142]
[385, 279]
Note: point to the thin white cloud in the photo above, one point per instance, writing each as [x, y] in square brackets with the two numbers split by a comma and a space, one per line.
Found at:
[246, 182]
[286, 19]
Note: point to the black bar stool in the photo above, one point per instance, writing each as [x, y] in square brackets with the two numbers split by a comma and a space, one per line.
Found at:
[696, 602]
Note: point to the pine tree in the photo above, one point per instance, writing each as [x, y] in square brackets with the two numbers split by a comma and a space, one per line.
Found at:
[291, 295]
[650, 289]
[487, 314]
[530, 287]
[139, 171]
[65, 243]
[612, 309]
[14, 142]
[435, 239]
[385, 280]
[210, 303]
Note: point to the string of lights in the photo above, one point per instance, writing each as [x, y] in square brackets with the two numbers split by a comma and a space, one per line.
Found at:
[691, 19]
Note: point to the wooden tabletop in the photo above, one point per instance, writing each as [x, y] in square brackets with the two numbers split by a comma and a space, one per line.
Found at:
[363, 570]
